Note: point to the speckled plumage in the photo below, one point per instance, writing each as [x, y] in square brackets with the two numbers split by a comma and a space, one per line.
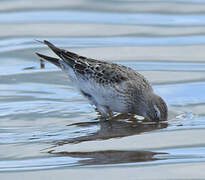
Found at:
[109, 86]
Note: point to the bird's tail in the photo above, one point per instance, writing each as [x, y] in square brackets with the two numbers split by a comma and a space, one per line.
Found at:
[53, 60]
[67, 56]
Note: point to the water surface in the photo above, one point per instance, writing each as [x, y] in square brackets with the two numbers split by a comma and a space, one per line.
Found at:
[46, 124]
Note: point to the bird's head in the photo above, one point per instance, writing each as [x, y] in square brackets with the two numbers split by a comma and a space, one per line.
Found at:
[156, 109]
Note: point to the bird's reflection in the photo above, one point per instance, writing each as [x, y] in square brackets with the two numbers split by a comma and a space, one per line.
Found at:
[112, 156]
[120, 126]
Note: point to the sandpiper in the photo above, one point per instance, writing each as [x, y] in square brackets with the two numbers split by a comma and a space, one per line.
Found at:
[110, 87]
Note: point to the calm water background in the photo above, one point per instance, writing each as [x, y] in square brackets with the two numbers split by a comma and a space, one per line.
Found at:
[46, 124]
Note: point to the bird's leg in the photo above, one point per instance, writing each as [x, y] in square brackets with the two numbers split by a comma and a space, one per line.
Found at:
[110, 114]
[97, 111]
[104, 112]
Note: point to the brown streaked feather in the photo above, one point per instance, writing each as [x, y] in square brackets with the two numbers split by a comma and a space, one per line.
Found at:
[101, 71]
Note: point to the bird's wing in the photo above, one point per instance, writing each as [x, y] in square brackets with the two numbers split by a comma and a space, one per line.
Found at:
[101, 71]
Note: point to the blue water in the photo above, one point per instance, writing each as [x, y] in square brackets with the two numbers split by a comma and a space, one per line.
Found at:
[40, 110]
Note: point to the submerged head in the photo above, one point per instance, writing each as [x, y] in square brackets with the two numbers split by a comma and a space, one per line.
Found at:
[155, 109]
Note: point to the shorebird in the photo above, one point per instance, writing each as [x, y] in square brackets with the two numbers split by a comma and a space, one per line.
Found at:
[108, 86]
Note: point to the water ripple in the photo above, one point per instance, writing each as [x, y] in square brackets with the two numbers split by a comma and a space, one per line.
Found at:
[102, 17]
[28, 43]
